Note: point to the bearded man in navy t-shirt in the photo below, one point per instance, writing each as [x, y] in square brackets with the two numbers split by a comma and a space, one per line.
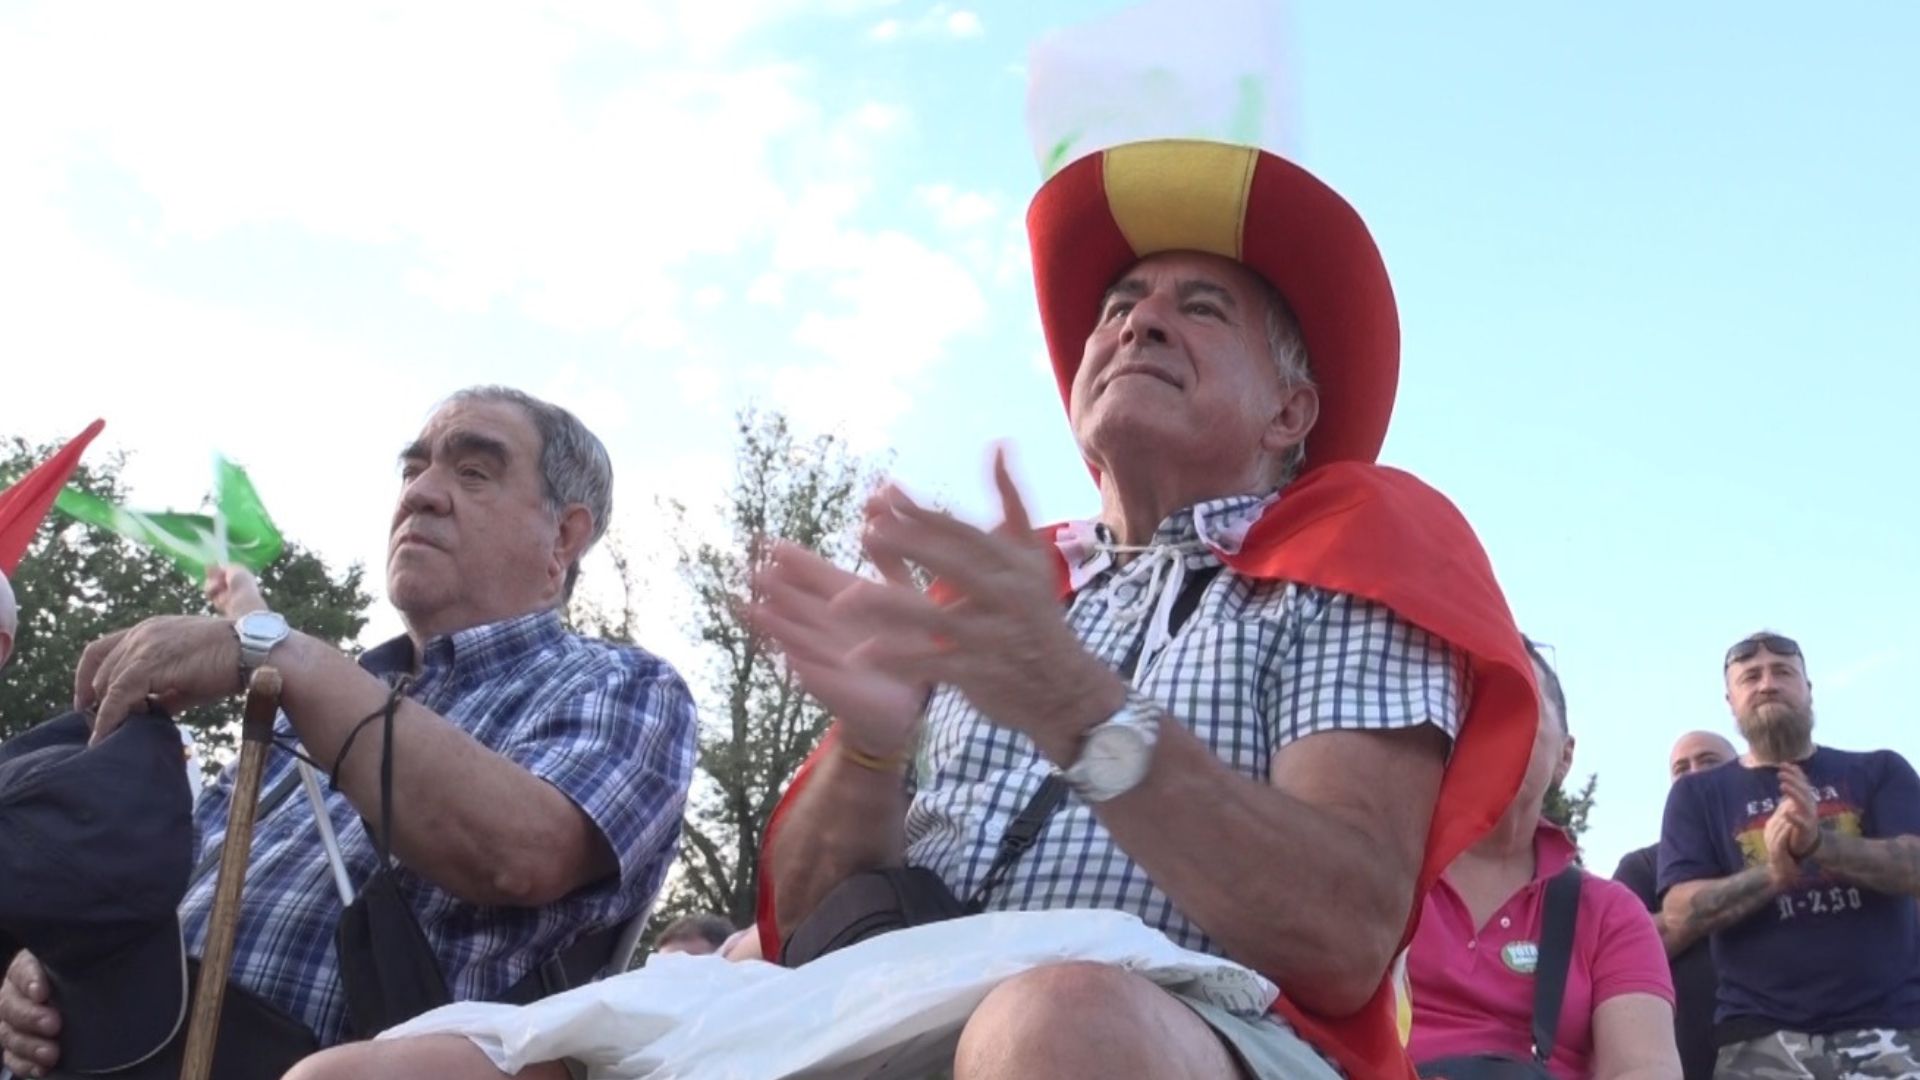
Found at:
[1802, 864]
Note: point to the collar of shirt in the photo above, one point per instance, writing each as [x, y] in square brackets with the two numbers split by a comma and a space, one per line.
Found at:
[1553, 850]
[1220, 525]
[474, 653]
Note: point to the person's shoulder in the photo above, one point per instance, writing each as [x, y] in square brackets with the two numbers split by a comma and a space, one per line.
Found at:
[1638, 861]
[1879, 759]
[603, 656]
[1701, 782]
[1619, 914]
[1607, 894]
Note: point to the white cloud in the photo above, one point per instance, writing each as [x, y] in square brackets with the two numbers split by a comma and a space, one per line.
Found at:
[964, 24]
[900, 303]
[941, 20]
[504, 190]
[453, 149]
[957, 211]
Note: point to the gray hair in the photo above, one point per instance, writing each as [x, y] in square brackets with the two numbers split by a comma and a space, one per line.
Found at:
[1289, 351]
[573, 463]
[713, 929]
[1550, 692]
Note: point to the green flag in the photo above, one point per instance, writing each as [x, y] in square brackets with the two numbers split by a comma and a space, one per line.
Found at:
[239, 531]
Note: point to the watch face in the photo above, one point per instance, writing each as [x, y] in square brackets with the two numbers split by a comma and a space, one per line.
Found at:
[262, 627]
[1114, 758]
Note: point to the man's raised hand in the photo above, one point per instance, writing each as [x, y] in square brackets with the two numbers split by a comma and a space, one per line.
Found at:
[824, 620]
[997, 632]
[233, 591]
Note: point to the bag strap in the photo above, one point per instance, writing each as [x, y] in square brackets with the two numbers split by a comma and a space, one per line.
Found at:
[383, 840]
[1022, 832]
[1556, 955]
[576, 965]
[1025, 828]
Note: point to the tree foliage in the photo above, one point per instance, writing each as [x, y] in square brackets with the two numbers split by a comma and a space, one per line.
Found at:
[78, 583]
[1570, 812]
[756, 724]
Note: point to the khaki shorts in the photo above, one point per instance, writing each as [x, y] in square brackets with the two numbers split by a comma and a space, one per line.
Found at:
[1267, 1047]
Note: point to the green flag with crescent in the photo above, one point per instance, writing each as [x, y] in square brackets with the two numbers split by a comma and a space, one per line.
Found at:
[239, 530]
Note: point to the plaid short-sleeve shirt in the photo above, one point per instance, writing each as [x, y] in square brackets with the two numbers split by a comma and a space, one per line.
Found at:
[1256, 666]
[611, 726]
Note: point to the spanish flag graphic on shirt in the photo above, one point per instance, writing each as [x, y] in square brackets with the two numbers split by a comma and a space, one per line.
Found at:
[1836, 816]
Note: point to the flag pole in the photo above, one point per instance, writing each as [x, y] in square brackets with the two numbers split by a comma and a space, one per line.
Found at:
[331, 843]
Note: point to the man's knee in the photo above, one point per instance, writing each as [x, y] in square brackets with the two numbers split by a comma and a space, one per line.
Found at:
[1068, 1019]
[335, 1064]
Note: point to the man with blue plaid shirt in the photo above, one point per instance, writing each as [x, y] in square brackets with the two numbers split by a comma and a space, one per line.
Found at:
[539, 777]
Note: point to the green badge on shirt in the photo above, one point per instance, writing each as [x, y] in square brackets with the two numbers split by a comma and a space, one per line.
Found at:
[1521, 957]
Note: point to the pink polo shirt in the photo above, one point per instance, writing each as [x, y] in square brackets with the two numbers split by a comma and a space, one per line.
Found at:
[1473, 989]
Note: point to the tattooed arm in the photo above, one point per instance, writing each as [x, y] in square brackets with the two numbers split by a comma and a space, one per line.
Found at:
[1890, 866]
[1695, 909]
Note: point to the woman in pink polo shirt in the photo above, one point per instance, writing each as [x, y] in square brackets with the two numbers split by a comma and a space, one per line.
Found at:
[1471, 963]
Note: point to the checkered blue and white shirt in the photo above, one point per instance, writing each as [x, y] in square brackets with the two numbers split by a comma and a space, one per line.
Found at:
[1258, 665]
[611, 726]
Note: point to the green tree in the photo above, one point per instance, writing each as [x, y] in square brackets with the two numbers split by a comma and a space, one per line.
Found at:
[78, 583]
[756, 724]
[1570, 811]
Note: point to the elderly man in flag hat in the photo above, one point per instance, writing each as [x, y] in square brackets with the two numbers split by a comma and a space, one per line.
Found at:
[1260, 702]
[1284, 690]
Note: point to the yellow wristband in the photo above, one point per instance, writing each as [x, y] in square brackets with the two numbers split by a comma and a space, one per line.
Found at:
[868, 761]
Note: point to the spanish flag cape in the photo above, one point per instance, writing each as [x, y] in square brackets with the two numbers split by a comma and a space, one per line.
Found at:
[1380, 534]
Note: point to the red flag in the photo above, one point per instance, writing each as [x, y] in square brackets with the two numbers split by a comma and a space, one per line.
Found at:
[24, 505]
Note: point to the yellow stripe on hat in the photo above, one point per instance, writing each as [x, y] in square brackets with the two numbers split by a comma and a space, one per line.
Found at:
[1180, 196]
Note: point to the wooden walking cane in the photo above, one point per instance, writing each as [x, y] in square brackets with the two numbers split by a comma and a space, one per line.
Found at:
[256, 734]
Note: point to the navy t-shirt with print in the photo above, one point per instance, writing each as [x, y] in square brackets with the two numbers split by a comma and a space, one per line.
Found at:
[1825, 955]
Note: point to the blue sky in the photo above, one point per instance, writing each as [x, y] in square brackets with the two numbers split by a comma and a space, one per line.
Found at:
[1654, 268]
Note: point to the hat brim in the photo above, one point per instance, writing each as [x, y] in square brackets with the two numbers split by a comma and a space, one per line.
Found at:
[126, 1008]
[1099, 216]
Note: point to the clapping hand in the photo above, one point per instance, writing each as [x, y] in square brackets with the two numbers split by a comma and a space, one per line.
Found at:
[871, 650]
[1793, 832]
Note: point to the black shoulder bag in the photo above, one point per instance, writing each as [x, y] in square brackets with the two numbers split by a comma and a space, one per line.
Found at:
[1549, 990]
[387, 966]
[875, 902]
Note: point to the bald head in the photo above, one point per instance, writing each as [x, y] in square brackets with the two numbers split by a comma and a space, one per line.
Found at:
[1697, 750]
[9, 619]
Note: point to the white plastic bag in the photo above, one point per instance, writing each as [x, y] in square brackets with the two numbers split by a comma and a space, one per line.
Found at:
[889, 1007]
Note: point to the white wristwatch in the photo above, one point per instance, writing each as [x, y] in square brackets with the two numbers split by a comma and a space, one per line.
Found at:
[259, 632]
[1116, 753]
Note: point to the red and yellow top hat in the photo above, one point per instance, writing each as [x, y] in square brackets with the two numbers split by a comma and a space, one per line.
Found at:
[1102, 214]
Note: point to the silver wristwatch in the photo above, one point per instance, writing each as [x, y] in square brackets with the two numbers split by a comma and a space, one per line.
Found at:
[1115, 754]
[259, 632]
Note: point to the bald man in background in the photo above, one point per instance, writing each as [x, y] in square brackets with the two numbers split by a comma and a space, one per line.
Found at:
[1695, 983]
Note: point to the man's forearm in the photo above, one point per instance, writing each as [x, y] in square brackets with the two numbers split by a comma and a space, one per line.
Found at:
[849, 818]
[466, 818]
[1283, 886]
[1890, 866]
[1697, 909]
